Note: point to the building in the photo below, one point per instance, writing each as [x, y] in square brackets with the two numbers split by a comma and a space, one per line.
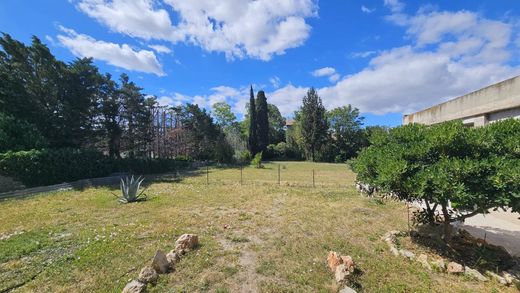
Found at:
[495, 102]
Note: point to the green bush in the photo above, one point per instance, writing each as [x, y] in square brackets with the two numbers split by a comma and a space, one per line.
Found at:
[257, 160]
[52, 166]
[474, 169]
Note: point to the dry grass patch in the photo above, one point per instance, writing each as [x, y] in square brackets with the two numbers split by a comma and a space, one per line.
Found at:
[259, 236]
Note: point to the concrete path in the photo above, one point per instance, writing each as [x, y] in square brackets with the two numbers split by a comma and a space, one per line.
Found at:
[498, 228]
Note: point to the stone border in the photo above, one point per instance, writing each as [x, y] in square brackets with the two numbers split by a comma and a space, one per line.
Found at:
[162, 264]
[506, 278]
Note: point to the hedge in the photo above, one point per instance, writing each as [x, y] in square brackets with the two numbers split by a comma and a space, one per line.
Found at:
[52, 166]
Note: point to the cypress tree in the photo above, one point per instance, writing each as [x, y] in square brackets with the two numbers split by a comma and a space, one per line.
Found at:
[262, 121]
[314, 125]
[253, 141]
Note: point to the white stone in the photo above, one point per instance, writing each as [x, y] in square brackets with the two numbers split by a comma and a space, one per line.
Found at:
[134, 287]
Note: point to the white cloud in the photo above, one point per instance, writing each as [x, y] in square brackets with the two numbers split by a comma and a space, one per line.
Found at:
[118, 55]
[160, 49]
[253, 28]
[364, 54]
[440, 62]
[394, 5]
[275, 81]
[327, 71]
[367, 10]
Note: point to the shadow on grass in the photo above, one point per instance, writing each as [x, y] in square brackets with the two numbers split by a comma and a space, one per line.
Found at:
[466, 249]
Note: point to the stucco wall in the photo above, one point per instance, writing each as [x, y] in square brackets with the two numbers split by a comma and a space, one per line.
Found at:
[489, 103]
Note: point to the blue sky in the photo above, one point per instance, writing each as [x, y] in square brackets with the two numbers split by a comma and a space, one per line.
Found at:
[386, 57]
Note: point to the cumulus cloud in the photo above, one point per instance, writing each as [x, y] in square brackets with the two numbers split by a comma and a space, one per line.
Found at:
[450, 54]
[253, 28]
[115, 54]
[327, 71]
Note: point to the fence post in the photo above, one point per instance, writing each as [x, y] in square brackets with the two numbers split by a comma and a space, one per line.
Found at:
[240, 174]
[207, 175]
[313, 184]
[278, 174]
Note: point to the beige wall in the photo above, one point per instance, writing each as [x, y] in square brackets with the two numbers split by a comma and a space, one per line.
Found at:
[491, 103]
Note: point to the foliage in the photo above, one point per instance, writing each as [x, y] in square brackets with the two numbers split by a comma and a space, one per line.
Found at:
[253, 138]
[223, 114]
[262, 120]
[474, 169]
[347, 135]
[314, 126]
[52, 166]
[282, 151]
[206, 139]
[17, 135]
[243, 157]
[276, 125]
[130, 188]
[257, 160]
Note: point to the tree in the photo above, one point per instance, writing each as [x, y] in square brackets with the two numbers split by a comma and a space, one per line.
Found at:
[276, 125]
[111, 118]
[314, 124]
[473, 169]
[19, 135]
[206, 139]
[347, 135]
[262, 120]
[223, 114]
[253, 139]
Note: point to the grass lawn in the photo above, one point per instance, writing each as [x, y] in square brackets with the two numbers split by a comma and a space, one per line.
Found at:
[258, 236]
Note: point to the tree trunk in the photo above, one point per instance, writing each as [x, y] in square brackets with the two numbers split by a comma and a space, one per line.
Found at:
[447, 223]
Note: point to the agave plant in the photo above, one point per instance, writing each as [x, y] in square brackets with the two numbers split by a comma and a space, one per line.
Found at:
[130, 188]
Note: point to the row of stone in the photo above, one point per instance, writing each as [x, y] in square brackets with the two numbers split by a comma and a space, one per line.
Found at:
[390, 238]
[162, 264]
[342, 266]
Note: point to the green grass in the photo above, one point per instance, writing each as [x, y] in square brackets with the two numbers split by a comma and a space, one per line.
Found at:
[256, 236]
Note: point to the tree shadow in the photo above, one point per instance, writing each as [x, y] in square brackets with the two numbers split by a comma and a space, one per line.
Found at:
[465, 249]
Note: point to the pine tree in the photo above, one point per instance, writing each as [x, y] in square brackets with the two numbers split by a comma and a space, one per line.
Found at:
[253, 138]
[314, 124]
[262, 121]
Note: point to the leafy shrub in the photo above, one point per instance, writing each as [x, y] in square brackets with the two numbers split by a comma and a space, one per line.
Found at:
[51, 166]
[474, 169]
[282, 151]
[243, 157]
[257, 160]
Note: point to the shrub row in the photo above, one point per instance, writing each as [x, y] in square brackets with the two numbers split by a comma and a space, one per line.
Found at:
[52, 166]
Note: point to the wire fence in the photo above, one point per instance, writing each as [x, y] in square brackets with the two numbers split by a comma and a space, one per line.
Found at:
[282, 174]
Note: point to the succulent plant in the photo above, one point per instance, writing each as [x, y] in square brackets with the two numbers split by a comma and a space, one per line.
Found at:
[130, 188]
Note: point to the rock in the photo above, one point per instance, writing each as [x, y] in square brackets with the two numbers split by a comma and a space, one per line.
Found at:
[347, 290]
[455, 268]
[160, 262]
[186, 243]
[423, 260]
[172, 258]
[393, 250]
[475, 274]
[439, 265]
[497, 278]
[510, 279]
[134, 287]
[342, 272]
[148, 275]
[333, 260]
[406, 253]
[348, 262]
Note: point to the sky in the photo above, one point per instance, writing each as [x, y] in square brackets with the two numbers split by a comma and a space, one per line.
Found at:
[385, 57]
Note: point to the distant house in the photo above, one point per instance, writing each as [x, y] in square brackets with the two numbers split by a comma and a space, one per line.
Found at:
[495, 102]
